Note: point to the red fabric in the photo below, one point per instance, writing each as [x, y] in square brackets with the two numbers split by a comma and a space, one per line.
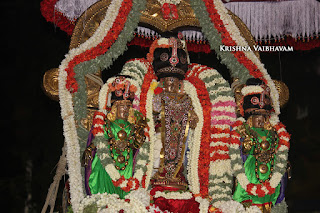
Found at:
[177, 206]
[56, 17]
[300, 44]
[174, 205]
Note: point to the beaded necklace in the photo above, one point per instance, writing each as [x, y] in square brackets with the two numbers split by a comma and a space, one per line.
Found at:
[264, 151]
[120, 145]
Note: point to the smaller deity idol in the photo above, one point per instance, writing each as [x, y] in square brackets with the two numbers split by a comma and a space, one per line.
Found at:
[121, 132]
[259, 146]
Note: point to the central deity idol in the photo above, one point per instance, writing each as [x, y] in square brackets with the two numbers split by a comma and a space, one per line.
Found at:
[173, 114]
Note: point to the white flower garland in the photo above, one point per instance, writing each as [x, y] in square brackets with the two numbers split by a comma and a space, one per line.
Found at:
[194, 146]
[67, 112]
[233, 206]
[174, 195]
[236, 36]
[204, 204]
[175, 2]
[110, 203]
[251, 90]
[152, 134]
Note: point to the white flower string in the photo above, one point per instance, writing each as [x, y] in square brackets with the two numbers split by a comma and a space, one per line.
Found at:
[67, 112]
[175, 2]
[193, 176]
[236, 36]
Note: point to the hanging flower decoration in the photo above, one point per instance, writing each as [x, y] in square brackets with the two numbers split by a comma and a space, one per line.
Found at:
[217, 113]
[220, 29]
[105, 36]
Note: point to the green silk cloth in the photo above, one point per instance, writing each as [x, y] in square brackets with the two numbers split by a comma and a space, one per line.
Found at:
[99, 180]
[240, 194]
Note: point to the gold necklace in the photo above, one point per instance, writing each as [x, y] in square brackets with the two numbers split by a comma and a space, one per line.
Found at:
[120, 145]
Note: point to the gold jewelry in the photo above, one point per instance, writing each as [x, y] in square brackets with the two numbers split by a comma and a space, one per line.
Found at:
[131, 117]
[113, 113]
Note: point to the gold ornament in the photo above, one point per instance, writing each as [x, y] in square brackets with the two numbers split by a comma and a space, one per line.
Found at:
[122, 135]
[263, 168]
[113, 113]
[283, 91]
[265, 145]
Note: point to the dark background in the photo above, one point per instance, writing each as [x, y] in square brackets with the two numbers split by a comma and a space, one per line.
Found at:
[32, 127]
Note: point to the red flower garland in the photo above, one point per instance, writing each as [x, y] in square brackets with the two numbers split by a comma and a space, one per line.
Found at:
[101, 48]
[129, 185]
[228, 41]
[205, 149]
[97, 123]
[282, 141]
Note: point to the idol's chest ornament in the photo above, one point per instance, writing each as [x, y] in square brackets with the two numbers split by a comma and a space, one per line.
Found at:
[121, 144]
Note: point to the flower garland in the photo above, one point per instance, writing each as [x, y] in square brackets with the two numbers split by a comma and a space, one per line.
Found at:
[204, 204]
[203, 159]
[195, 139]
[110, 36]
[175, 2]
[233, 206]
[98, 122]
[268, 187]
[220, 29]
[111, 203]
[141, 70]
[222, 115]
[69, 111]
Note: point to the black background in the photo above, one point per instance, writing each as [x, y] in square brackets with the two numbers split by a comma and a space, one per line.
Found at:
[32, 127]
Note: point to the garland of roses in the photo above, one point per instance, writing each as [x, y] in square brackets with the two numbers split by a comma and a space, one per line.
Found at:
[267, 187]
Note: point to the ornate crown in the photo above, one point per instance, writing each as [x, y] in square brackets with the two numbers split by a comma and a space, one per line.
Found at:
[169, 57]
[256, 98]
[117, 88]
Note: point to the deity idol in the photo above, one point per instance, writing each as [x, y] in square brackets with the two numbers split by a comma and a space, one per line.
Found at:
[190, 108]
[118, 134]
[174, 115]
[263, 152]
